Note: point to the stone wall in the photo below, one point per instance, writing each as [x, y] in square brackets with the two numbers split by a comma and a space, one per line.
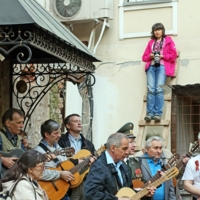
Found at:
[5, 86]
[56, 103]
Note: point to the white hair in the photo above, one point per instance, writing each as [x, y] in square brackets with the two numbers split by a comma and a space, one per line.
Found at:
[148, 143]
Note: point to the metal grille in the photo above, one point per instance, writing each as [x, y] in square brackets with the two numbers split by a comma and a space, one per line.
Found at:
[32, 81]
[185, 119]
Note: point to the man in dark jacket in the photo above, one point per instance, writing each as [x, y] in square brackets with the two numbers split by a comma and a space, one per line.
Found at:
[74, 138]
[109, 174]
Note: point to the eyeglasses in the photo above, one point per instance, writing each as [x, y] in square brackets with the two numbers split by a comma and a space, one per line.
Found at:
[133, 142]
[40, 165]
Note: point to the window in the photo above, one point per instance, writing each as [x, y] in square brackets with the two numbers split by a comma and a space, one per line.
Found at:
[128, 2]
[132, 10]
[185, 117]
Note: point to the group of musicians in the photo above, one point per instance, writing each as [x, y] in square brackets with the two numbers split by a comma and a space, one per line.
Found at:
[114, 169]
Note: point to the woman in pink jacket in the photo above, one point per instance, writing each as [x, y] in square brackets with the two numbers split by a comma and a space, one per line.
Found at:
[159, 55]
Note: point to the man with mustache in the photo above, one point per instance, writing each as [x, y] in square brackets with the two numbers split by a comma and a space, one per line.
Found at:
[151, 162]
[50, 132]
[13, 122]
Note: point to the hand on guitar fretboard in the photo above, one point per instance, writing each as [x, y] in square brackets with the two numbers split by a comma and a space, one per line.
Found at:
[68, 152]
[50, 156]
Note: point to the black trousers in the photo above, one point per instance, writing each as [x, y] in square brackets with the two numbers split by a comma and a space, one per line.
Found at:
[194, 198]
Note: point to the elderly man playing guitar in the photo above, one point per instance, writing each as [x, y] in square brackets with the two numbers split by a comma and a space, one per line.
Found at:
[13, 122]
[50, 131]
[109, 174]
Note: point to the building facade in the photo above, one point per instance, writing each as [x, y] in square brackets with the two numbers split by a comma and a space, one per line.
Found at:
[120, 78]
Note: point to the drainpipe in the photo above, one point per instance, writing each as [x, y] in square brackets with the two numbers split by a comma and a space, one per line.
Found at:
[91, 39]
[105, 23]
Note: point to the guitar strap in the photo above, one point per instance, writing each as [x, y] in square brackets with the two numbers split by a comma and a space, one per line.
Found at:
[46, 149]
[3, 131]
[13, 142]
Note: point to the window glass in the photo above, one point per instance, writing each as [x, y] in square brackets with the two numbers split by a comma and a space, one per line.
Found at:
[146, 1]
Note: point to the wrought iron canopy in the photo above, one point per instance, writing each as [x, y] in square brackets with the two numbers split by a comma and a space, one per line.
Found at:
[32, 29]
[26, 43]
[31, 82]
[42, 50]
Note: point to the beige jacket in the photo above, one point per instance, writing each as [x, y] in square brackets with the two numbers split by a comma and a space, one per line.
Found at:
[26, 190]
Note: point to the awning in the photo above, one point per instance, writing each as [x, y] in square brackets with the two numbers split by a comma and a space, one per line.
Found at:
[29, 16]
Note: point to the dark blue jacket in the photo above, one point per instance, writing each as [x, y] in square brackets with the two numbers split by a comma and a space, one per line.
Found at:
[86, 144]
[102, 180]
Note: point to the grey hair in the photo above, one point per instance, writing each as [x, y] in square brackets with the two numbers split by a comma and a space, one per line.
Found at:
[149, 141]
[49, 126]
[115, 139]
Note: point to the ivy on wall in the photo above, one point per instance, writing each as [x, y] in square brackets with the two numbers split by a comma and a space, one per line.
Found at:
[56, 102]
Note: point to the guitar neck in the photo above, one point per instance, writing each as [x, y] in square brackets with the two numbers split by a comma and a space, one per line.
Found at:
[86, 161]
[56, 153]
[168, 175]
[178, 165]
[67, 151]
[153, 179]
[172, 162]
[144, 191]
[80, 165]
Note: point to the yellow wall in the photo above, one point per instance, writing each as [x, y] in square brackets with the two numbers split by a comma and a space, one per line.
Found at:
[120, 78]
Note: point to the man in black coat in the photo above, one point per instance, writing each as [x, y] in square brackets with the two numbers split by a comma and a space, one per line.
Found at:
[74, 127]
[74, 138]
[109, 174]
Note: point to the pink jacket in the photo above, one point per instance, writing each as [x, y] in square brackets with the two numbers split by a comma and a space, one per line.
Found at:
[169, 56]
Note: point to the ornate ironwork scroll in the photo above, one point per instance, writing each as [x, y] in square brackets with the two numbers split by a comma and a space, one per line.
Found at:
[61, 49]
[15, 39]
[32, 81]
[31, 49]
[28, 40]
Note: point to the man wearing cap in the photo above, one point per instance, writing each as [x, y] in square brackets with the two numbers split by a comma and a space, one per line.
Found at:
[132, 163]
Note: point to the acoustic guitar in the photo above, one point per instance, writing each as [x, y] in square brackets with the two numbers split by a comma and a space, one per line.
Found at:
[67, 151]
[129, 193]
[173, 161]
[57, 189]
[17, 153]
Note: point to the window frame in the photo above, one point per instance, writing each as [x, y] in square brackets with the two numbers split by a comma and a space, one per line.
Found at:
[144, 2]
[133, 7]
